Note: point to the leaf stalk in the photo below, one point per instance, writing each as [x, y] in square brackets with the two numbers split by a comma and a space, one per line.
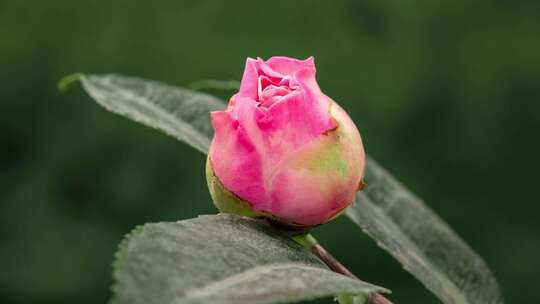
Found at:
[310, 243]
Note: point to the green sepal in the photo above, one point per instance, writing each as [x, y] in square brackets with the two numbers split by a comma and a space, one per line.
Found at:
[224, 200]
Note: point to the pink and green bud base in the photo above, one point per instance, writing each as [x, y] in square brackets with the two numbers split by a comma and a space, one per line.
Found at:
[282, 149]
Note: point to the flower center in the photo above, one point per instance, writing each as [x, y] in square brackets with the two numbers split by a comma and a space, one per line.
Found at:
[272, 90]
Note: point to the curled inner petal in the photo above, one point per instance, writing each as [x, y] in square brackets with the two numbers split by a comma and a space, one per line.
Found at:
[271, 94]
[270, 90]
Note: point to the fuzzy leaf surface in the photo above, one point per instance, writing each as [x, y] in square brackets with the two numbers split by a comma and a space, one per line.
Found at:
[222, 259]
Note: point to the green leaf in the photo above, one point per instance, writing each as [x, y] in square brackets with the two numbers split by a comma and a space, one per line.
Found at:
[181, 113]
[387, 211]
[403, 225]
[66, 82]
[222, 259]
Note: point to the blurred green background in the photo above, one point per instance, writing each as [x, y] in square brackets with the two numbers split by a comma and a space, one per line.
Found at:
[445, 94]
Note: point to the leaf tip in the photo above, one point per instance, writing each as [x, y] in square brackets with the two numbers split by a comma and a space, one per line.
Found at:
[65, 83]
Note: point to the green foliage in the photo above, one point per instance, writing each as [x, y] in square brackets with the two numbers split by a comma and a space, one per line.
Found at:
[181, 113]
[222, 259]
[421, 241]
[400, 222]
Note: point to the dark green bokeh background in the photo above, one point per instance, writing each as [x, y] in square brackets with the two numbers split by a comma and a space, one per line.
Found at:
[445, 94]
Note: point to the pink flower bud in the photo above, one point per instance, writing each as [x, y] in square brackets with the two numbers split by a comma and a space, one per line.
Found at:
[282, 149]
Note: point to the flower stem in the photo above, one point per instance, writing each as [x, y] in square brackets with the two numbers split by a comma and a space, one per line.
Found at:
[310, 243]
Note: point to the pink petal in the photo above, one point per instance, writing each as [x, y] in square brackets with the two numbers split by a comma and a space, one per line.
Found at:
[287, 66]
[235, 160]
[306, 198]
[249, 83]
[298, 117]
[267, 70]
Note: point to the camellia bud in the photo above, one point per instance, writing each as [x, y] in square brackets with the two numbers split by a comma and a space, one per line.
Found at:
[282, 149]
